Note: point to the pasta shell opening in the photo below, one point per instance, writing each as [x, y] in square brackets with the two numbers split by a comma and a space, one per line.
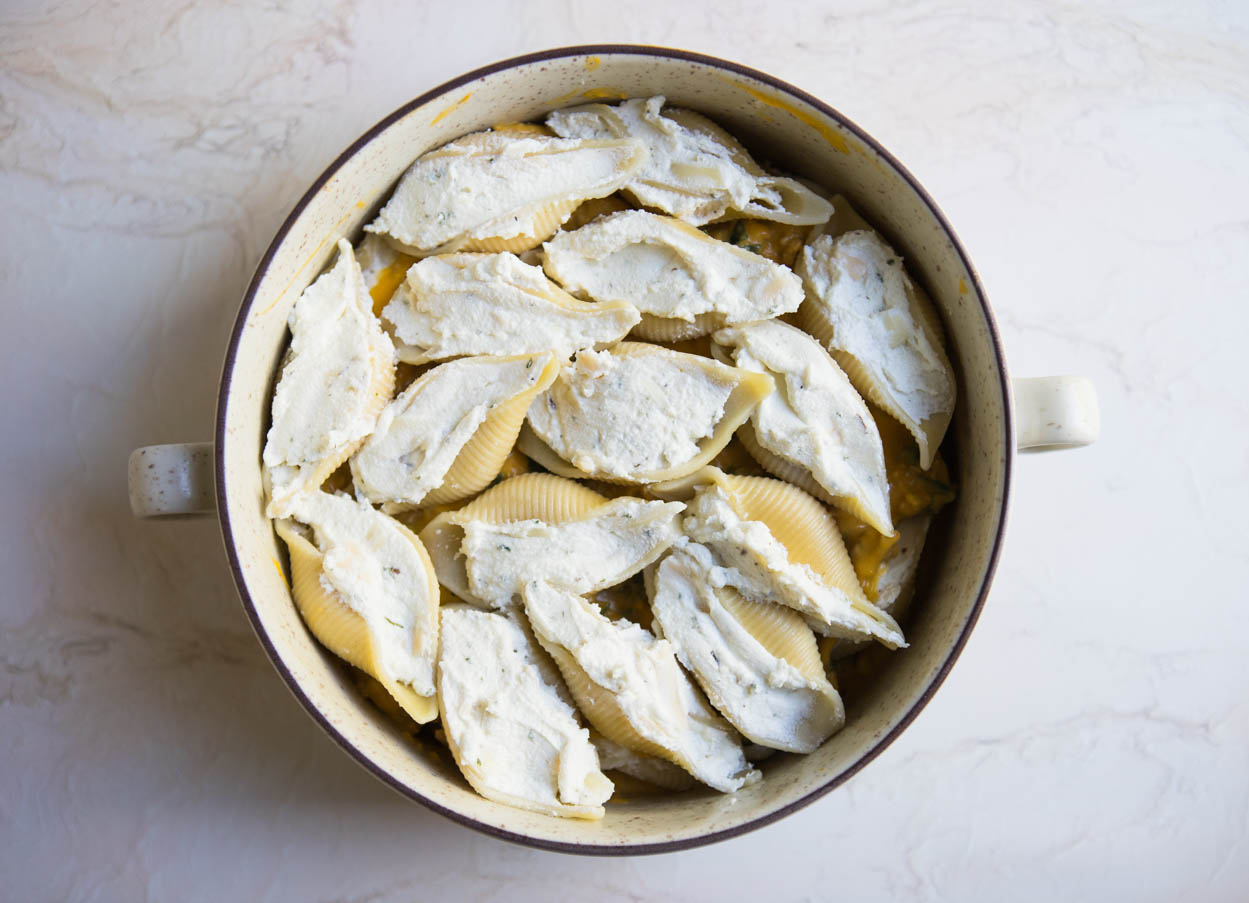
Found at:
[340, 629]
[667, 330]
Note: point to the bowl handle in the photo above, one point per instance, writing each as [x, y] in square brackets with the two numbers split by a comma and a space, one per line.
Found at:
[172, 480]
[1055, 412]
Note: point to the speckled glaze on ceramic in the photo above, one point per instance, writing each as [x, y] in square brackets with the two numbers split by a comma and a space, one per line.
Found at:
[171, 480]
[779, 124]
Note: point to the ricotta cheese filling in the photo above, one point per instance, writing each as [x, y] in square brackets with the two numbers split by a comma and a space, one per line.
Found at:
[461, 304]
[627, 414]
[378, 570]
[862, 290]
[641, 674]
[754, 562]
[694, 169]
[490, 185]
[419, 435]
[514, 736]
[767, 698]
[651, 769]
[815, 419]
[326, 398]
[607, 546]
[668, 269]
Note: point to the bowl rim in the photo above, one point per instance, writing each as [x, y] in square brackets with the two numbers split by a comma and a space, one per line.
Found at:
[227, 532]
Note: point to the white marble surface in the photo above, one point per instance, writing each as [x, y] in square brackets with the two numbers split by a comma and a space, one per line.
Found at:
[1093, 741]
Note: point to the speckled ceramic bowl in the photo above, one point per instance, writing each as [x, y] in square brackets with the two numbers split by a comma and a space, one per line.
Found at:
[780, 124]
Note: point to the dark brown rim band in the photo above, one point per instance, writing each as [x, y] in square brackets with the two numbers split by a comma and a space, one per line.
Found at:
[222, 403]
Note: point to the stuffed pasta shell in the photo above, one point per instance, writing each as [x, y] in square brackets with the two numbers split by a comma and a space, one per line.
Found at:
[499, 191]
[758, 662]
[462, 304]
[335, 381]
[639, 413]
[694, 170]
[628, 685]
[601, 548]
[777, 544]
[512, 733]
[881, 329]
[446, 436]
[814, 430]
[366, 589]
[531, 496]
[681, 279]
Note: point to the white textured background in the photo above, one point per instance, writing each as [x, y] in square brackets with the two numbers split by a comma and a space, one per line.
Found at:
[1093, 741]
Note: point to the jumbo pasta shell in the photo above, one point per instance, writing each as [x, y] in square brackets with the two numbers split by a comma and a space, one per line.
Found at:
[779, 630]
[342, 629]
[928, 432]
[882, 330]
[896, 587]
[511, 732]
[695, 170]
[630, 688]
[530, 496]
[336, 379]
[452, 305]
[600, 706]
[610, 415]
[484, 456]
[667, 330]
[779, 467]
[491, 188]
[891, 584]
[781, 545]
[758, 662]
[668, 269]
[544, 221]
[586, 554]
[815, 422]
[447, 435]
[801, 524]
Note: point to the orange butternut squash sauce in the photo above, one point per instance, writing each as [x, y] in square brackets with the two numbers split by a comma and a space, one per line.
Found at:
[912, 491]
[513, 465]
[778, 242]
[388, 281]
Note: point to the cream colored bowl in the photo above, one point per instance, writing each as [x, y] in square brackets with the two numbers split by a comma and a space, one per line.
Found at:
[780, 124]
